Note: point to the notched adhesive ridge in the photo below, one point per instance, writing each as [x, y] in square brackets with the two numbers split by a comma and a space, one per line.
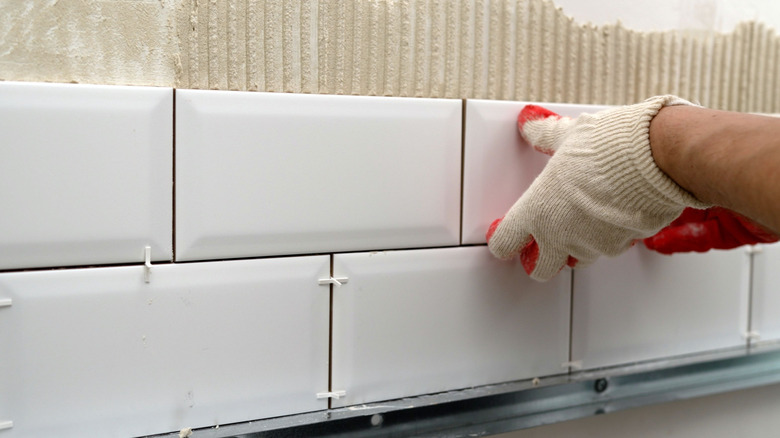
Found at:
[487, 49]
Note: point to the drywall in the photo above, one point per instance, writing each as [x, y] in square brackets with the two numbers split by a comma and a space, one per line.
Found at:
[499, 49]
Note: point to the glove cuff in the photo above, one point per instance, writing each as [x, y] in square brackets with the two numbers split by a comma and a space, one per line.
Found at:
[659, 195]
[652, 173]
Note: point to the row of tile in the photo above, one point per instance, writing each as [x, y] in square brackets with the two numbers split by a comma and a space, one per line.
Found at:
[86, 178]
[218, 342]
[87, 171]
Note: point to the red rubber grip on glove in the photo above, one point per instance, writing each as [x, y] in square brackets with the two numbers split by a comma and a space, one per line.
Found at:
[529, 253]
[535, 112]
[703, 230]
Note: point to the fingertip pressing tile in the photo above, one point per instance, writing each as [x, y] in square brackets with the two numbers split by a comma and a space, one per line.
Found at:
[85, 174]
[636, 307]
[498, 165]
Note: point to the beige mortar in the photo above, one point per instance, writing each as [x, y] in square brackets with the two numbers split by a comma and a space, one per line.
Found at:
[99, 42]
[505, 49]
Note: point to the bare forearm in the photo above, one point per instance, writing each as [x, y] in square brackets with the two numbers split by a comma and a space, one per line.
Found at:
[723, 158]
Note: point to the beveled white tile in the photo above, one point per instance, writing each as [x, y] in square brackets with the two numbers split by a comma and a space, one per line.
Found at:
[765, 317]
[498, 165]
[268, 174]
[85, 174]
[643, 305]
[98, 352]
[425, 321]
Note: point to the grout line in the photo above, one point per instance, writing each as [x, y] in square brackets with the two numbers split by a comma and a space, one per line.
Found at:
[233, 259]
[173, 183]
[751, 273]
[313, 254]
[462, 167]
[89, 266]
[330, 336]
[571, 319]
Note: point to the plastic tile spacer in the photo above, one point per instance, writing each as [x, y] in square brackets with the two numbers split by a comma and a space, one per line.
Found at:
[754, 249]
[575, 364]
[335, 394]
[147, 263]
[7, 424]
[751, 336]
[338, 281]
[6, 302]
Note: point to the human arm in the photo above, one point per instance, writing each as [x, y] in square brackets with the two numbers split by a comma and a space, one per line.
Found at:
[603, 189]
[723, 158]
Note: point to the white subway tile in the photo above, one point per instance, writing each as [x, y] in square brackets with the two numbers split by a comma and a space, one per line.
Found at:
[423, 321]
[498, 164]
[99, 352]
[267, 174]
[643, 305]
[85, 174]
[765, 318]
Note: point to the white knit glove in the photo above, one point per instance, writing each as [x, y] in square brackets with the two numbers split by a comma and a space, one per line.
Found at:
[599, 192]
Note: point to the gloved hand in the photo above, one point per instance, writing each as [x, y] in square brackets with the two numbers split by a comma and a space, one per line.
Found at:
[600, 191]
[703, 230]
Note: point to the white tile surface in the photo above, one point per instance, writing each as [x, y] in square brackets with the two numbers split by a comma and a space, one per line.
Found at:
[498, 164]
[765, 318]
[85, 174]
[424, 321]
[100, 353]
[643, 305]
[268, 174]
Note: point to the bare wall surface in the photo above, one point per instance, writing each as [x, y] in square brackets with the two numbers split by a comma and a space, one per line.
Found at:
[505, 49]
[90, 41]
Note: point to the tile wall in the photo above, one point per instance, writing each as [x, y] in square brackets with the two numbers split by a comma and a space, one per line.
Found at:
[190, 258]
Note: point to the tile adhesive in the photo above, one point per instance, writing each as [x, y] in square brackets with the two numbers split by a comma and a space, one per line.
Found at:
[507, 50]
